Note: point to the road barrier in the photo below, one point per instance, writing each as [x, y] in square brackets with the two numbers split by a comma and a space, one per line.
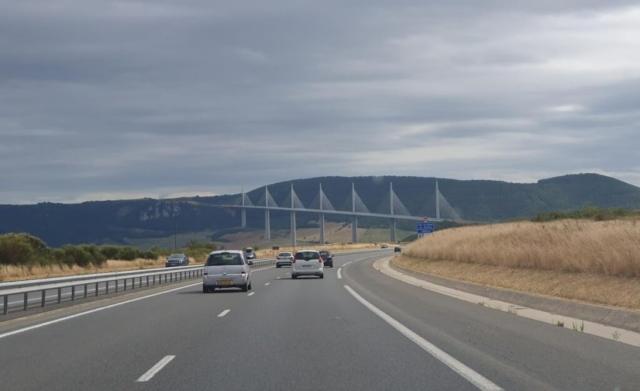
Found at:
[104, 281]
[101, 282]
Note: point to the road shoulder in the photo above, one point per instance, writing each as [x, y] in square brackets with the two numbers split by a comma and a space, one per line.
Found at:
[606, 322]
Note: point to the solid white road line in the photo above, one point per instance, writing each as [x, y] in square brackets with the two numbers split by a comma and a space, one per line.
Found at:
[155, 369]
[251, 294]
[223, 313]
[267, 283]
[339, 274]
[346, 264]
[472, 376]
[37, 326]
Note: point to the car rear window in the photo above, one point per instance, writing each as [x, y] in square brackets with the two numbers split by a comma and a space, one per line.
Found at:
[284, 254]
[248, 250]
[307, 255]
[224, 260]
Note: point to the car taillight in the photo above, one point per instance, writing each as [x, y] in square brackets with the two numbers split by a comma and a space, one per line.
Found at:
[320, 259]
[293, 260]
[206, 274]
[243, 272]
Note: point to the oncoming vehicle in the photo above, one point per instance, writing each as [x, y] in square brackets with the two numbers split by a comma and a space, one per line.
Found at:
[307, 263]
[384, 245]
[284, 259]
[327, 257]
[176, 260]
[397, 249]
[226, 269]
[249, 253]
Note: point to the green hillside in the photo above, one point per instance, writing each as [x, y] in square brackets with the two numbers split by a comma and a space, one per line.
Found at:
[137, 221]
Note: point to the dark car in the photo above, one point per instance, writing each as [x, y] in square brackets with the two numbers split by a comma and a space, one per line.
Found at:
[397, 249]
[177, 260]
[327, 257]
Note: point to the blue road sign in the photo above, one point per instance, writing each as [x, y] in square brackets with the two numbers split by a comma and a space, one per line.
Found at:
[426, 228]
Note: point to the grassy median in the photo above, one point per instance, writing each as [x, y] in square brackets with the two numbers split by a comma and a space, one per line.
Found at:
[593, 261]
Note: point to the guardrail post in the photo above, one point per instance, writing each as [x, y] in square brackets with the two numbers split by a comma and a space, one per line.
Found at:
[125, 283]
[96, 289]
[116, 285]
[44, 297]
[147, 280]
[170, 277]
[85, 291]
[6, 304]
[140, 285]
[73, 293]
[106, 288]
[26, 300]
[59, 295]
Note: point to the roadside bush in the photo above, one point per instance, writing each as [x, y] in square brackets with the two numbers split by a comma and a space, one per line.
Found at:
[587, 213]
[23, 249]
[129, 253]
[75, 255]
[110, 252]
[150, 255]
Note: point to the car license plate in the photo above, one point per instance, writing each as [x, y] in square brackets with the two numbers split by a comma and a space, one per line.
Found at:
[225, 282]
[307, 265]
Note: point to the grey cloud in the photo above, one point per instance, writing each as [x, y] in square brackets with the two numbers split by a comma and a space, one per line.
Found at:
[118, 98]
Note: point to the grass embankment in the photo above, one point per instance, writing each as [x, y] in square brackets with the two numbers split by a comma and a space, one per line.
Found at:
[593, 261]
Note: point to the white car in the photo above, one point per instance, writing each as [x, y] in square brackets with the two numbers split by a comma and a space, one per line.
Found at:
[284, 259]
[226, 269]
[307, 263]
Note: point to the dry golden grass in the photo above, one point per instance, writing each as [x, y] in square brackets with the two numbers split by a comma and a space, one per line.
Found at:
[16, 273]
[610, 248]
[597, 262]
[331, 247]
[587, 287]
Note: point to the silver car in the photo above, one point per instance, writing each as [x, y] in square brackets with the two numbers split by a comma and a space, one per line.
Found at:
[284, 259]
[226, 269]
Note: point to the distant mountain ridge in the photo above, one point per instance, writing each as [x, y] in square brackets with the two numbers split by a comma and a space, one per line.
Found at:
[478, 200]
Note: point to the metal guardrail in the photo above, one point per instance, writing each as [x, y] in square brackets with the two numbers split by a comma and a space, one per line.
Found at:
[151, 277]
[83, 277]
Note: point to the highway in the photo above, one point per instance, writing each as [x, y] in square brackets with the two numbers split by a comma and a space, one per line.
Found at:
[356, 329]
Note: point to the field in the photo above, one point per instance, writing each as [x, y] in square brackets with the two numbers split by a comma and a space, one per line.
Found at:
[16, 273]
[594, 261]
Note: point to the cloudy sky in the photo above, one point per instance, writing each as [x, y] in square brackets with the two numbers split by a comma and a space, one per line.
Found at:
[120, 99]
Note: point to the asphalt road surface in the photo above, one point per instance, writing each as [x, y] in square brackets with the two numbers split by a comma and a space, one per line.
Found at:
[356, 329]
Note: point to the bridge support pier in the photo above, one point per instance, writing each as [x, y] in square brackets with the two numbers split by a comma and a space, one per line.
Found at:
[392, 231]
[243, 218]
[294, 238]
[322, 239]
[267, 225]
[354, 229]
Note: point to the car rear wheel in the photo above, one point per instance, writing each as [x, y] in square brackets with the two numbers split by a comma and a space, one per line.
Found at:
[293, 276]
[322, 275]
[278, 266]
[245, 287]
